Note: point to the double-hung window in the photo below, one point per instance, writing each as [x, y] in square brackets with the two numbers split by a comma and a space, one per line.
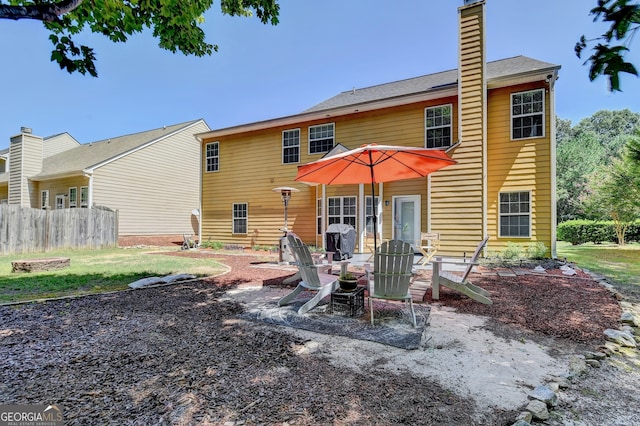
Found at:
[240, 218]
[291, 146]
[341, 210]
[212, 156]
[527, 114]
[369, 210]
[515, 214]
[44, 199]
[84, 197]
[321, 138]
[438, 126]
[73, 197]
[319, 216]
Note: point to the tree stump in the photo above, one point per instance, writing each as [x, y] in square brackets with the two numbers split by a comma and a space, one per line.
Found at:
[44, 264]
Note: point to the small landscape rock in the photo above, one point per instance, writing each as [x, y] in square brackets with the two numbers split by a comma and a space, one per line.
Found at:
[546, 395]
[538, 410]
[630, 318]
[525, 416]
[593, 363]
[595, 355]
[521, 422]
[622, 338]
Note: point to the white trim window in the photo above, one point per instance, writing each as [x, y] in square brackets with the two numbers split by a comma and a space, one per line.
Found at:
[369, 213]
[240, 218]
[437, 126]
[73, 197]
[44, 199]
[515, 214]
[59, 201]
[291, 146]
[321, 138]
[84, 197]
[319, 216]
[341, 210]
[527, 114]
[212, 155]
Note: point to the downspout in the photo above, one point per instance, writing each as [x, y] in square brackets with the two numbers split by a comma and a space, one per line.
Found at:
[90, 199]
[552, 141]
[200, 177]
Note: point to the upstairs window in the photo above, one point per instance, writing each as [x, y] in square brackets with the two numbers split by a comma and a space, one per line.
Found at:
[438, 126]
[212, 156]
[515, 214]
[527, 114]
[321, 138]
[240, 218]
[291, 146]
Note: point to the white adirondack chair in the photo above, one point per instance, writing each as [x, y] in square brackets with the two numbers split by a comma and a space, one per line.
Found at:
[312, 278]
[391, 276]
[459, 282]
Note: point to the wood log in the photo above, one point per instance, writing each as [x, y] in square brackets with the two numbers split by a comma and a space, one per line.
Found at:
[42, 264]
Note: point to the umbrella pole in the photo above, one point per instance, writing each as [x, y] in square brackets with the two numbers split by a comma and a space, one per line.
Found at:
[375, 217]
[374, 205]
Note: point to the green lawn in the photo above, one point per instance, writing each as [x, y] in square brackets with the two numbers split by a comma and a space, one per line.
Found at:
[620, 264]
[94, 271]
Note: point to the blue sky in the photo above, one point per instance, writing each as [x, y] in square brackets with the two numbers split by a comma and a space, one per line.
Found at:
[320, 48]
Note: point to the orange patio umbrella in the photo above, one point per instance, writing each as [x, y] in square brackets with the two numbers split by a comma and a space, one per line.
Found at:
[373, 164]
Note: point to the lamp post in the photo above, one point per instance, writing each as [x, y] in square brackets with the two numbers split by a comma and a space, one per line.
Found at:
[285, 193]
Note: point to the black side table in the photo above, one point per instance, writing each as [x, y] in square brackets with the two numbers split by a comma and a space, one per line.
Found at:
[348, 303]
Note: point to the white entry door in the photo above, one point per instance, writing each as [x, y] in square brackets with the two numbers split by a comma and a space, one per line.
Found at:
[406, 219]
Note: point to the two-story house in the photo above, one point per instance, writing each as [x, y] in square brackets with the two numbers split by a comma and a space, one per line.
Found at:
[151, 178]
[495, 119]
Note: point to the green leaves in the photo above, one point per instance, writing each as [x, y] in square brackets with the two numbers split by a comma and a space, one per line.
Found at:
[71, 57]
[608, 59]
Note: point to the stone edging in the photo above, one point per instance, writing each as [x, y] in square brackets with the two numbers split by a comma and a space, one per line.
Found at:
[617, 342]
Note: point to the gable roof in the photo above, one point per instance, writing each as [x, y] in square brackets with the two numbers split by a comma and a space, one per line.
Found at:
[496, 70]
[89, 156]
[510, 71]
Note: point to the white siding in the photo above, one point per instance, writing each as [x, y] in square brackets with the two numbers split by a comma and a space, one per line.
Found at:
[155, 188]
[59, 143]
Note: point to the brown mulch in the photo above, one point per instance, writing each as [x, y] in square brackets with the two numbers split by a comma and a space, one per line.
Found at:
[178, 355]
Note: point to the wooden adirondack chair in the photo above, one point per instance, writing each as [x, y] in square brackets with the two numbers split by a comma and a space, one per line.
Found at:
[312, 278]
[392, 275]
[429, 245]
[459, 282]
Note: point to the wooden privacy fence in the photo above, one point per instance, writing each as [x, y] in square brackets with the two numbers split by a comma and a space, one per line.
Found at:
[23, 229]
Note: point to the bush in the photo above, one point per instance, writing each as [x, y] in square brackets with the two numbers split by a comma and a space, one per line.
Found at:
[215, 245]
[590, 231]
[536, 250]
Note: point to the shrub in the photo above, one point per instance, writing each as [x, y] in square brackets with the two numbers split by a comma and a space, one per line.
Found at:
[585, 231]
[215, 245]
[512, 251]
[536, 250]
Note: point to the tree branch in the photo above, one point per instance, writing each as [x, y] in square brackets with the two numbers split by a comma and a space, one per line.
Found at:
[42, 12]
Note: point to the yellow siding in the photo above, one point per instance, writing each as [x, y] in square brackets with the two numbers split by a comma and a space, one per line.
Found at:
[251, 164]
[457, 191]
[518, 165]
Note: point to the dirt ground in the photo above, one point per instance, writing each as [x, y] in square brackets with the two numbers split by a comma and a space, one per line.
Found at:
[179, 355]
